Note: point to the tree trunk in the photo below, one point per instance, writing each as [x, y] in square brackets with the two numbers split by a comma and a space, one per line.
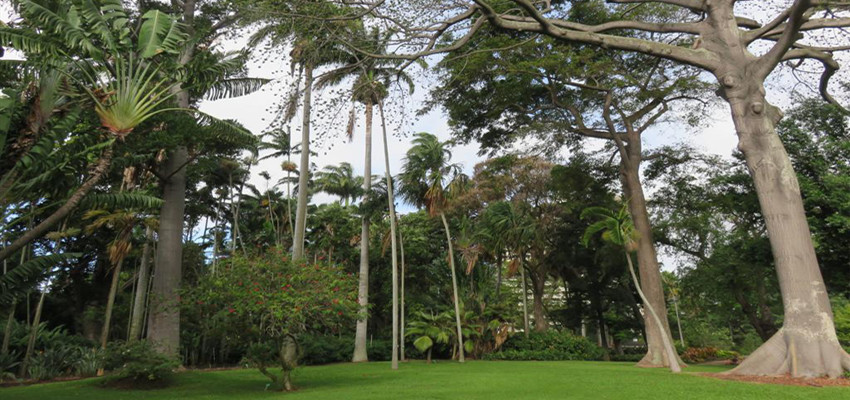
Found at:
[678, 321]
[524, 301]
[669, 350]
[538, 285]
[454, 287]
[304, 175]
[393, 244]
[647, 260]
[361, 333]
[806, 345]
[33, 333]
[110, 302]
[401, 317]
[164, 309]
[141, 289]
[100, 169]
[499, 274]
[289, 361]
[7, 332]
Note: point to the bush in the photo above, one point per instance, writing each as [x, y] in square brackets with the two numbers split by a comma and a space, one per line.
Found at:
[8, 363]
[52, 362]
[627, 357]
[317, 350]
[699, 354]
[88, 361]
[137, 365]
[547, 346]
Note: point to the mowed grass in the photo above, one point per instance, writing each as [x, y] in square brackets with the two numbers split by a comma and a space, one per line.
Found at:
[446, 380]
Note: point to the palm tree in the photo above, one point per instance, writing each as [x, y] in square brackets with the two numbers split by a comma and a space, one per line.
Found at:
[372, 78]
[502, 219]
[121, 81]
[340, 181]
[427, 180]
[430, 329]
[617, 228]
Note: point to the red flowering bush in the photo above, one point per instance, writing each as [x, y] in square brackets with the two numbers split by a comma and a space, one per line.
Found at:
[271, 300]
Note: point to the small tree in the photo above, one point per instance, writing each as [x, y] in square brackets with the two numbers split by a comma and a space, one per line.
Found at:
[617, 228]
[270, 301]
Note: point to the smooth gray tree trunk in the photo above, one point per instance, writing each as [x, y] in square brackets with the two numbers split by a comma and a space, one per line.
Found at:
[164, 309]
[110, 302]
[454, 287]
[304, 174]
[393, 244]
[360, 353]
[401, 277]
[141, 289]
[669, 350]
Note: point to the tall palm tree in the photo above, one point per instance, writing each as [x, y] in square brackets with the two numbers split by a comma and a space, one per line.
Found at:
[372, 78]
[339, 180]
[427, 180]
[617, 227]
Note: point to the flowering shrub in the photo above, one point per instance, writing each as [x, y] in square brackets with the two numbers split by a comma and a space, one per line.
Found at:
[271, 301]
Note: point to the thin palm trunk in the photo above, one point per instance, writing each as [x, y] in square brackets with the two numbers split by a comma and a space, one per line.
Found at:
[141, 289]
[454, 287]
[304, 176]
[678, 321]
[668, 347]
[33, 333]
[7, 332]
[361, 333]
[100, 169]
[394, 245]
[110, 302]
[524, 301]
[401, 317]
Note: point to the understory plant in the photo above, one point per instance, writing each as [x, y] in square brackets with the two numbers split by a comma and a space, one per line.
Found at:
[271, 301]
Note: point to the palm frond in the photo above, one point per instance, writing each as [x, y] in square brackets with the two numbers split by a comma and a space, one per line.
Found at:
[235, 87]
[160, 33]
[121, 200]
[18, 280]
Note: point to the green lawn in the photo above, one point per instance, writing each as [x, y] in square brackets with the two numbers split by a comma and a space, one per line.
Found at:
[447, 380]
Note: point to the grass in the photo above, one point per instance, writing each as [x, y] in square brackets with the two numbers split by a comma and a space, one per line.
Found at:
[446, 380]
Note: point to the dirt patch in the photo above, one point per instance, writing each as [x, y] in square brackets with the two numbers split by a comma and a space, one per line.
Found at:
[781, 380]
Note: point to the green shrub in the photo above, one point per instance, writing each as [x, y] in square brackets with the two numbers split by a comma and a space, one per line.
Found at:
[326, 349]
[841, 312]
[8, 364]
[627, 357]
[88, 361]
[547, 346]
[137, 364]
[316, 350]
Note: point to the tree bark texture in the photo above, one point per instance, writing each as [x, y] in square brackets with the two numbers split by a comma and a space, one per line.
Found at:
[647, 260]
[806, 345]
[164, 308]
